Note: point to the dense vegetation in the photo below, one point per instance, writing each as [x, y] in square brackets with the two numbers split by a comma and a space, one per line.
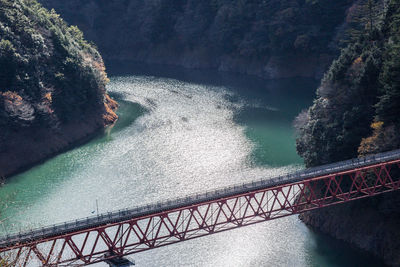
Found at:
[356, 112]
[208, 30]
[49, 75]
[48, 71]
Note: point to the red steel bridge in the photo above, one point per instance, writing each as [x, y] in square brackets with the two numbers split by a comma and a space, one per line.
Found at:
[117, 234]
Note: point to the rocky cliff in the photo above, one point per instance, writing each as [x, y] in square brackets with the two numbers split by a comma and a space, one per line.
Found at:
[357, 113]
[52, 86]
[271, 39]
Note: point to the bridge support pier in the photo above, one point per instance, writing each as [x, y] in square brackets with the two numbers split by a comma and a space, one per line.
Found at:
[120, 262]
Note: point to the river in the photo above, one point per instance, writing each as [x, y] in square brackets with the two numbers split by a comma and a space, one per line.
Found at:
[182, 132]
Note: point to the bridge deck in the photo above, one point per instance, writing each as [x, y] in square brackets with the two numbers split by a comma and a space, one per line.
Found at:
[137, 212]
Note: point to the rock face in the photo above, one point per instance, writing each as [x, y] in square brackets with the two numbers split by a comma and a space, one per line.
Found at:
[52, 86]
[356, 113]
[271, 39]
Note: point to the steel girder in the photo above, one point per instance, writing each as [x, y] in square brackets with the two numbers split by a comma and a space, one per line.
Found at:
[171, 226]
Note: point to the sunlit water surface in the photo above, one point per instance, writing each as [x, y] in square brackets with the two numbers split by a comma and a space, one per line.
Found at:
[193, 132]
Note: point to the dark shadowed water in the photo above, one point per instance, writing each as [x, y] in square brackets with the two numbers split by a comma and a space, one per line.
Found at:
[182, 132]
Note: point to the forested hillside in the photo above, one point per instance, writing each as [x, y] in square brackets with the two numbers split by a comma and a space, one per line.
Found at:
[271, 38]
[357, 113]
[51, 81]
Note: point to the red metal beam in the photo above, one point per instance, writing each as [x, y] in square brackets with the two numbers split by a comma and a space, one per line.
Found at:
[176, 225]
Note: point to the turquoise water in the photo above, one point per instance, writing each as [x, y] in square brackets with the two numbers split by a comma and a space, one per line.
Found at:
[182, 132]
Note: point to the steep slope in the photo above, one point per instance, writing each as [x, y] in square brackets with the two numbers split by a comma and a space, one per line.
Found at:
[357, 113]
[272, 39]
[52, 86]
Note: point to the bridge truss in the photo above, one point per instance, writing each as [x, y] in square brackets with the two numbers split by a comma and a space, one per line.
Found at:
[118, 239]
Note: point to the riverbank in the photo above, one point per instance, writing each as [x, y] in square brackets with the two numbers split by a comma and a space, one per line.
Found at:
[31, 146]
[52, 86]
[275, 67]
[354, 114]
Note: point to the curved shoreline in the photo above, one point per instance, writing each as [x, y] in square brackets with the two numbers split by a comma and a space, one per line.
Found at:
[24, 150]
[71, 145]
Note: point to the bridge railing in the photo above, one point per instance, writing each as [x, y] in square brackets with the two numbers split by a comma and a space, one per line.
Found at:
[129, 213]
